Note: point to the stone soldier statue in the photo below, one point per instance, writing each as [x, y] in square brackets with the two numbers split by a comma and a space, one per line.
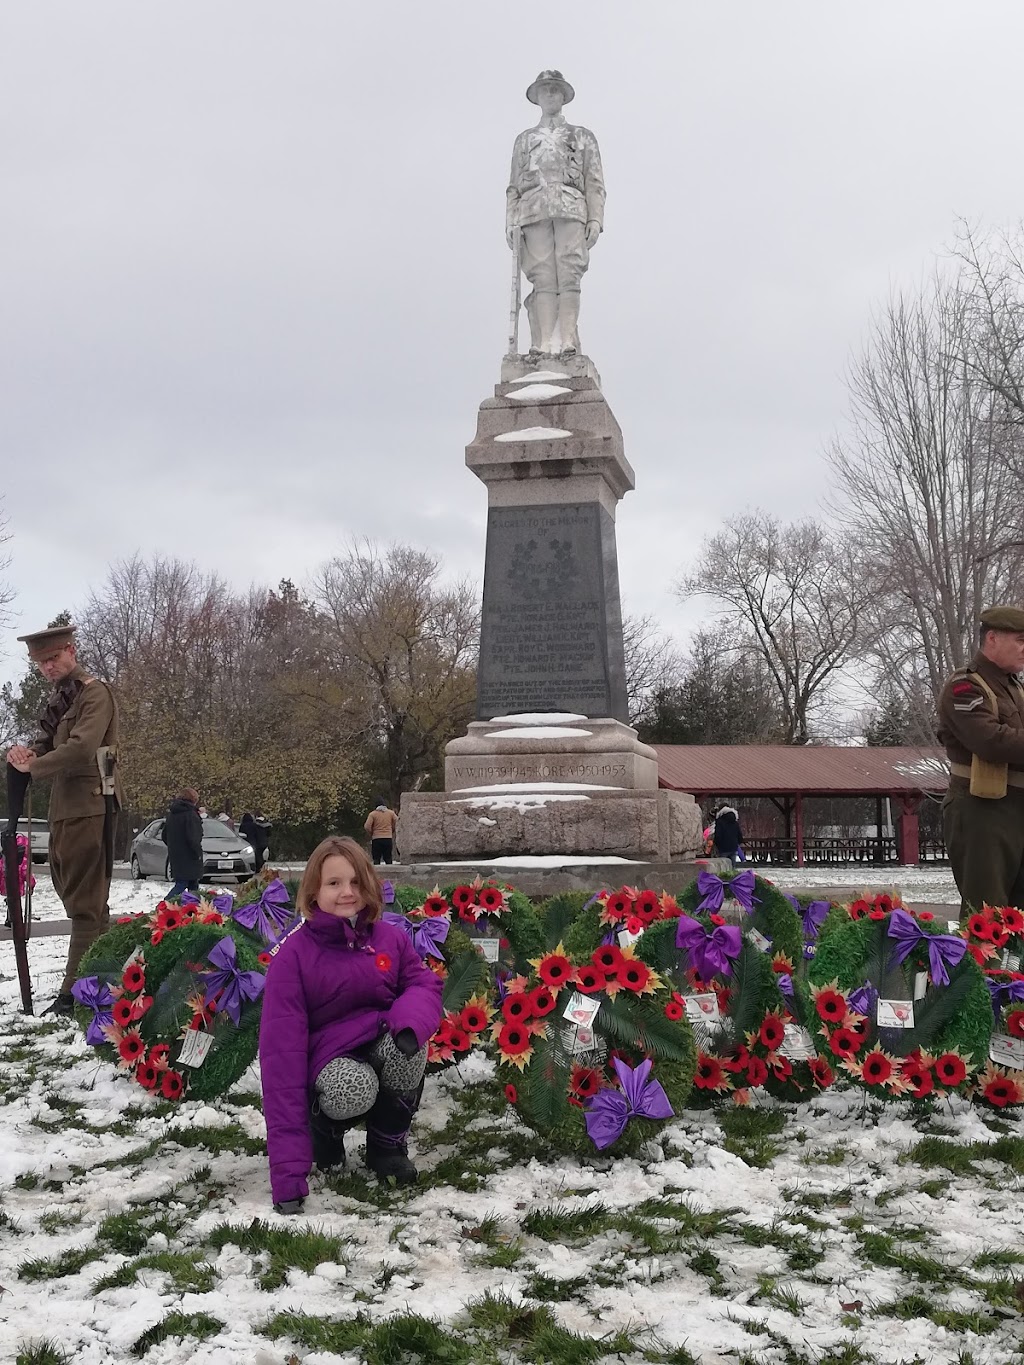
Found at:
[981, 723]
[555, 198]
[79, 723]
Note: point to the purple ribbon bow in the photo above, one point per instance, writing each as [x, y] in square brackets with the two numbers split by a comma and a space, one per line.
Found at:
[709, 953]
[814, 916]
[943, 949]
[271, 915]
[785, 984]
[95, 995]
[862, 999]
[387, 891]
[223, 902]
[609, 1111]
[228, 987]
[1005, 993]
[426, 935]
[713, 890]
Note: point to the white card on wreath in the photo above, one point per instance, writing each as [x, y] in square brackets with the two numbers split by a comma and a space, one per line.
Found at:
[490, 947]
[895, 1014]
[953, 925]
[581, 1010]
[195, 1047]
[583, 1040]
[920, 985]
[1007, 1051]
[797, 1044]
[758, 940]
[626, 939]
[702, 1009]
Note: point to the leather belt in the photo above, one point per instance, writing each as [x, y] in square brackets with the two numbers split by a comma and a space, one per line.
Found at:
[1014, 778]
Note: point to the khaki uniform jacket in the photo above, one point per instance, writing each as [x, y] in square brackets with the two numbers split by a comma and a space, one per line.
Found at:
[380, 824]
[967, 725]
[70, 757]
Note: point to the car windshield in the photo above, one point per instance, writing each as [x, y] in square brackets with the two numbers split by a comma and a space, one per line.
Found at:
[217, 829]
[38, 824]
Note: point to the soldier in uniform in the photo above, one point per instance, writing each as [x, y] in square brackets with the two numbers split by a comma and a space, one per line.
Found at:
[556, 198]
[981, 723]
[80, 719]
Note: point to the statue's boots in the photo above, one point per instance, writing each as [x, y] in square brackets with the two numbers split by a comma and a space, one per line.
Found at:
[568, 318]
[387, 1132]
[542, 311]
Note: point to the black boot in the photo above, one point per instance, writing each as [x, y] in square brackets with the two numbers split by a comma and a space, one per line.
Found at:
[63, 1007]
[328, 1140]
[387, 1129]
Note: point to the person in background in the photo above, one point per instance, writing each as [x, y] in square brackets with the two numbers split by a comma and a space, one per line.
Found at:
[348, 1008]
[183, 835]
[255, 827]
[380, 825]
[203, 812]
[225, 818]
[728, 836]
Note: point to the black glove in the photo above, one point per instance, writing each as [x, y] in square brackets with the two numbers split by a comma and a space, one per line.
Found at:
[405, 1041]
[289, 1206]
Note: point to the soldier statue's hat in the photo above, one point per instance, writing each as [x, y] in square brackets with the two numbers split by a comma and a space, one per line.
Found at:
[43, 642]
[558, 79]
[1003, 618]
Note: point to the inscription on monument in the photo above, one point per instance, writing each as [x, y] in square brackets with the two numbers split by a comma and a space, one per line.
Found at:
[550, 591]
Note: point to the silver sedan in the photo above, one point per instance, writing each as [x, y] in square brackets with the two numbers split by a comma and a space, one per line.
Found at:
[225, 853]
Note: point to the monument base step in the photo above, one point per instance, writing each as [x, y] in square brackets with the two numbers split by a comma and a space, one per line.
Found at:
[553, 818]
[535, 878]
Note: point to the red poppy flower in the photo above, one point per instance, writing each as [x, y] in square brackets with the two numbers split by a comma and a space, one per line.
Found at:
[978, 953]
[921, 1080]
[1000, 937]
[925, 915]
[757, 1072]
[590, 979]
[634, 974]
[511, 1093]
[124, 919]
[821, 1071]
[172, 1083]
[490, 898]
[979, 926]
[131, 1047]
[716, 919]
[122, 1012]
[859, 908]
[647, 906]
[382, 962]
[831, 1006]
[634, 925]
[263, 959]
[460, 1040]
[141, 1005]
[710, 1074]
[133, 978]
[608, 959]
[674, 1010]
[877, 914]
[541, 1001]
[172, 917]
[1001, 1092]
[159, 1055]
[462, 898]
[513, 1040]
[738, 1058]
[620, 906]
[156, 936]
[884, 903]
[950, 1069]
[212, 917]
[1013, 920]
[517, 1007]
[844, 1042]
[1015, 1023]
[473, 1019]
[772, 1031]
[147, 1075]
[435, 906]
[782, 1068]
[876, 1068]
[585, 1081]
[555, 969]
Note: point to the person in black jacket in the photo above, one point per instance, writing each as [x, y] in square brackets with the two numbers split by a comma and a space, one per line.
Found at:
[728, 836]
[255, 827]
[183, 835]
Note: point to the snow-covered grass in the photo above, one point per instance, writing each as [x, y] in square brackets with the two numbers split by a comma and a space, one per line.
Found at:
[843, 1232]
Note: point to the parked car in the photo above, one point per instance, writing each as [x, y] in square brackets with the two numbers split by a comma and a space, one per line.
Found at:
[40, 838]
[225, 853]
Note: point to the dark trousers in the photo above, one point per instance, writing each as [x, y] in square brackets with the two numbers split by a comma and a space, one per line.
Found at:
[985, 843]
[259, 855]
[78, 867]
[382, 850]
[184, 884]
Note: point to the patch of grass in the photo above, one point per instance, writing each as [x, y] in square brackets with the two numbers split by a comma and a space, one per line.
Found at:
[690, 1223]
[187, 1271]
[556, 1223]
[751, 1134]
[317, 1334]
[41, 1353]
[196, 1326]
[881, 1248]
[920, 1306]
[28, 1180]
[301, 1250]
[961, 1158]
[503, 1257]
[550, 1290]
[707, 1263]
[987, 1260]
[56, 1267]
[57, 1220]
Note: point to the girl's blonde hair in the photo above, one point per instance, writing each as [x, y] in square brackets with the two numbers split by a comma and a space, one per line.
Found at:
[366, 878]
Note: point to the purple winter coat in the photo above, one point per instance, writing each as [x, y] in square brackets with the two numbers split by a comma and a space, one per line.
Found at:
[332, 987]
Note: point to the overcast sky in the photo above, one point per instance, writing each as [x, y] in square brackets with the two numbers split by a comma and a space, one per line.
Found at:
[254, 283]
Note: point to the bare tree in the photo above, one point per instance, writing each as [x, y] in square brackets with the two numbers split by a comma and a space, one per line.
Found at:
[652, 662]
[926, 488]
[789, 596]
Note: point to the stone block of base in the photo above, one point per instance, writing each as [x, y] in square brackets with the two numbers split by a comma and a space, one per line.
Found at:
[573, 749]
[646, 825]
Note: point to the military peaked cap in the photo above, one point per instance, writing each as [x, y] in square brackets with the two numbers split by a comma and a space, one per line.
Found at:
[43, 642]
[1003, 618]
[556, 78]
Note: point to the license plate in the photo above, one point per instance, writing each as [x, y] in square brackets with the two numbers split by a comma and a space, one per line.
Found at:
[225, 864]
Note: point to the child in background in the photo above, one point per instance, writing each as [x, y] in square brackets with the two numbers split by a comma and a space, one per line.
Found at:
[348, 1008]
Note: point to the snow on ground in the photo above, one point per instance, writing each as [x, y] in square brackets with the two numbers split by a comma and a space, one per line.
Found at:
[830, 1239]
[929, 883]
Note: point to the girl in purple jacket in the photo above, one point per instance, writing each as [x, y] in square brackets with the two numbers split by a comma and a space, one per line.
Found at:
[348, 1008]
